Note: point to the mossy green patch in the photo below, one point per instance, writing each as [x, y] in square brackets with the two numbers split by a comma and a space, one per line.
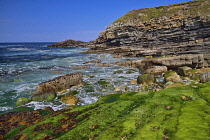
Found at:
[163, 114]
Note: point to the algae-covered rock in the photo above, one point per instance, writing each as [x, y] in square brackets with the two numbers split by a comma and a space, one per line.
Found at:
[146, 79]
[48, 95]
[22, 101]
[118, 71]
[103, 82]
[131, 71]
[70, 100]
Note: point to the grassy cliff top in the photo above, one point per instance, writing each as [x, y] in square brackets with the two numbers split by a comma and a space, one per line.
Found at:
[186, 9]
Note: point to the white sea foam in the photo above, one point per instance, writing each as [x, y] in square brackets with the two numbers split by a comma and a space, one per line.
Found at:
[5, 108]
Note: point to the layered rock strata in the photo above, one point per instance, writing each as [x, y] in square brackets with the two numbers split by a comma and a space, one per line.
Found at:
[167, 30]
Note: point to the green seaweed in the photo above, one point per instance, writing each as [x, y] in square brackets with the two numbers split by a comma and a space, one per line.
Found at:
[13, 132]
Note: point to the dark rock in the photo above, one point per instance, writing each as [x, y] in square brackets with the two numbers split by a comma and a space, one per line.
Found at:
[69, 43]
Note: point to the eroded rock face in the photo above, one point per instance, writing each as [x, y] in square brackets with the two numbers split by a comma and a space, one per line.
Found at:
[167, 30]
[60, 83]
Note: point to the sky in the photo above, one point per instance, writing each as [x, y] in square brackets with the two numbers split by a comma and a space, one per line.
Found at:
[58, 20]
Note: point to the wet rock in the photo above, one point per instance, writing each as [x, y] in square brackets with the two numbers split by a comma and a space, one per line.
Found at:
[146, 79]
[93, 61]
[60, 83]
[70, 100]
[22, 101]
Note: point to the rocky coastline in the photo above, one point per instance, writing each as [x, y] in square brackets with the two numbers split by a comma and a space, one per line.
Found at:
[174, 95]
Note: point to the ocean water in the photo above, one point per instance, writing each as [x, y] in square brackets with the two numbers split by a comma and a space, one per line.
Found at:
[25, 65]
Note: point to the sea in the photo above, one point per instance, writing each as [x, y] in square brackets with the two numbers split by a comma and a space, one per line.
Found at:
[24, 65]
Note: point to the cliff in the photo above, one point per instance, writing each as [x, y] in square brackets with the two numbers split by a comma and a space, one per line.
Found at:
[182, 28]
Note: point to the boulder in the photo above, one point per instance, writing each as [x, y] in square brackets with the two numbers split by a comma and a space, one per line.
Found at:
[146, 79]
[70, 100]
[60, 83]
[172, 76]
[183, 71]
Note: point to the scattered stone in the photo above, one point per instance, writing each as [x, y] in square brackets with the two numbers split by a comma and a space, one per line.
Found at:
[183, 71]
[22, 101]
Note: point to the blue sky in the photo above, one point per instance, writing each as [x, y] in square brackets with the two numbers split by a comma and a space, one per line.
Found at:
[58, 20]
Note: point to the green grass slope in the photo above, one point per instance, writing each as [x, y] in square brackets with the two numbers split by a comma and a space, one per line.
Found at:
[178, 113]
[187, 9]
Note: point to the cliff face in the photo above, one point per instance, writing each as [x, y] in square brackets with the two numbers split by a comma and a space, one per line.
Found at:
[172, 29]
